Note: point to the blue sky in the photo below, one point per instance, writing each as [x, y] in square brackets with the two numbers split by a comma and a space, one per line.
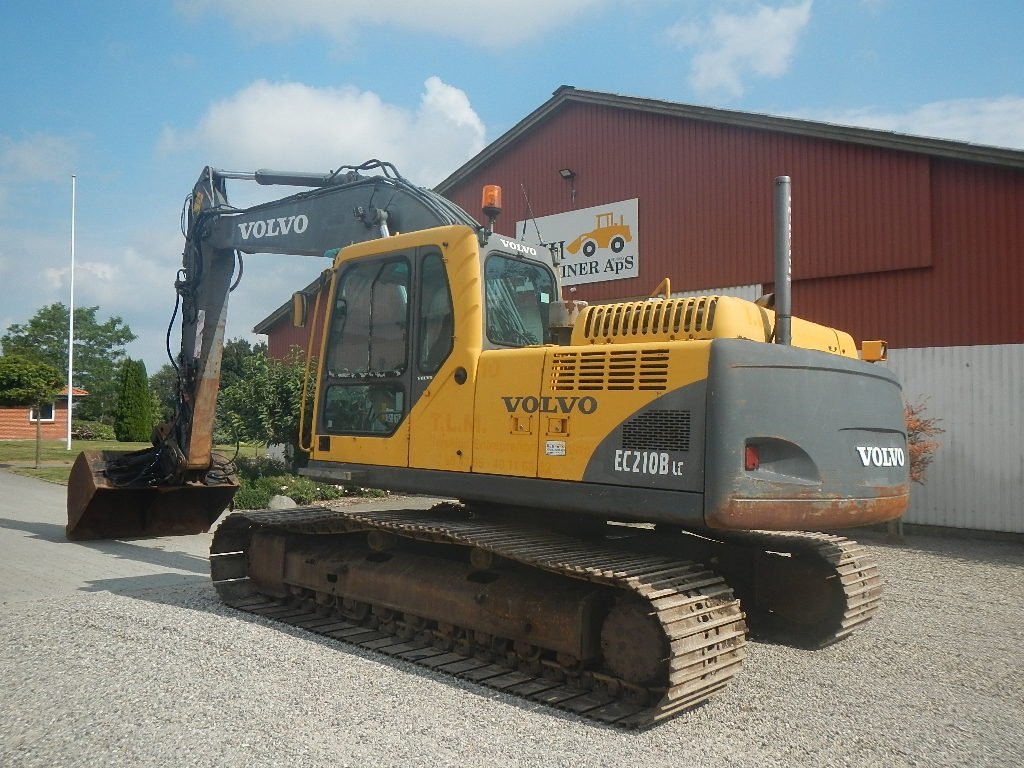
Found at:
[135, 98]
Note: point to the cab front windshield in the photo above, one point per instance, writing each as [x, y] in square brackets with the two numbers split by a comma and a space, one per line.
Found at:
[518, 294]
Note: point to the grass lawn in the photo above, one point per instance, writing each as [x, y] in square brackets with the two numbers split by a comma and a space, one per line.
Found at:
[57, 475]
[57, 460]
[24, 451]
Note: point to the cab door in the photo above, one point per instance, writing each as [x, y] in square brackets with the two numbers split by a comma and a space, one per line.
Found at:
[366, 385]
[444, 361]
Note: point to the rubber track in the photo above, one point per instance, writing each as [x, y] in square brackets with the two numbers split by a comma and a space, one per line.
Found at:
[701, 618]
[854, 567]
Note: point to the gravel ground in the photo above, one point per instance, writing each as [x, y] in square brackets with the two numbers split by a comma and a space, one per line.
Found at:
[167, 676]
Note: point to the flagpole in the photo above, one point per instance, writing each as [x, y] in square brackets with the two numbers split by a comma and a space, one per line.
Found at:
[71, 311]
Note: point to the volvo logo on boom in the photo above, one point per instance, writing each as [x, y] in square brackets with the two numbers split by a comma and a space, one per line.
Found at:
[283, 225]
[512, 245]
[531, 404]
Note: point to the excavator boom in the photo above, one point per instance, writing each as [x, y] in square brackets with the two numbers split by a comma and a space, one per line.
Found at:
[179, 486]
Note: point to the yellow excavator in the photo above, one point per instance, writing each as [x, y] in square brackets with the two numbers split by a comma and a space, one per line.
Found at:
[633, 487]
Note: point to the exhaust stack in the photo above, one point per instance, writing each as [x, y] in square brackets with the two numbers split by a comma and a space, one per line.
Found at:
[783, 261]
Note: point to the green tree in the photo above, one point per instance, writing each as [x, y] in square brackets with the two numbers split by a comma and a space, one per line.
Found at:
[99, 352]
[263, 405]
[163, 384]
[163, 388]
[133, 417]
[27, 382]
[236, 353]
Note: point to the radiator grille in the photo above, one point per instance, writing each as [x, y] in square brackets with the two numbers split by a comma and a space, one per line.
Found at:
[610, 370]
[657, 431]
[650, 320]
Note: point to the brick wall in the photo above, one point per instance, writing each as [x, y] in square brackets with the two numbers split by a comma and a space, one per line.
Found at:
[15, 423]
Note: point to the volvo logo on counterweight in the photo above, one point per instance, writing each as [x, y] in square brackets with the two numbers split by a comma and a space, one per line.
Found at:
[873, 456]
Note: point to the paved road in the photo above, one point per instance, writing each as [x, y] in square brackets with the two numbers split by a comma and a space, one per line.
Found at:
[120, 654]
[39, 562]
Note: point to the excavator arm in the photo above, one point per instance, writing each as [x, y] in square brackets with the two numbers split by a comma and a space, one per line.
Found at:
[178, 486]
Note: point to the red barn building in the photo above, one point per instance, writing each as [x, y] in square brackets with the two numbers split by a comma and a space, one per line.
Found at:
[914, 240]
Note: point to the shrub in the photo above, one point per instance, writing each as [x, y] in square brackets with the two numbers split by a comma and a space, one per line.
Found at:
[306, 491]
[260, 466]
[920, 445]
[91, 430]
[249, 497]
[263, 477]
[256, 492]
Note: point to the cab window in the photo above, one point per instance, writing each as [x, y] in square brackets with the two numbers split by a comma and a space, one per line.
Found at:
[367, 350]
[436, 320]
[375, 409]
[369, 320]
[517, 296]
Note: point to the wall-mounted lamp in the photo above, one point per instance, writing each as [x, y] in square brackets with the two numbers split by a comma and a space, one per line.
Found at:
[569, 175]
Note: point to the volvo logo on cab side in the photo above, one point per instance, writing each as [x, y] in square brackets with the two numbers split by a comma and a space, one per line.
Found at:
[531, 404]
[512, 245]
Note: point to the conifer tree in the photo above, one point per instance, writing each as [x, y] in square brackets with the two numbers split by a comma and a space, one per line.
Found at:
[133, 417]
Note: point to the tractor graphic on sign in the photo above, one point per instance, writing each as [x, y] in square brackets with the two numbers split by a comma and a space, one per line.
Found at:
[607, 234]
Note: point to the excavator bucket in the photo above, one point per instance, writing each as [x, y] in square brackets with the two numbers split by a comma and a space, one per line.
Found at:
[97, 509]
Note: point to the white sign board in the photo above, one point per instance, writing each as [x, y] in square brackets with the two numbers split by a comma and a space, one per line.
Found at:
[600, 243]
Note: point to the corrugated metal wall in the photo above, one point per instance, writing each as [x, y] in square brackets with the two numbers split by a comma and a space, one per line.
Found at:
[890, 244]
[977, 478]
[972, 292]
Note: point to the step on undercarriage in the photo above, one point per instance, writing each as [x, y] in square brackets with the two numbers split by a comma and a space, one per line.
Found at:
[618, 636]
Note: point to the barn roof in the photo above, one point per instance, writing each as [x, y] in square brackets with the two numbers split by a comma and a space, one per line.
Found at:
[567, 94]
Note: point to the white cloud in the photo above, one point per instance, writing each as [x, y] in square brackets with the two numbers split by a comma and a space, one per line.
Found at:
[292, 126]
[55, 277]
[299, 127]
[97, 278]
[997, 122]
[131, 272]
[40, 157]
[487, 25]
[35, 159]
[729, 46]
